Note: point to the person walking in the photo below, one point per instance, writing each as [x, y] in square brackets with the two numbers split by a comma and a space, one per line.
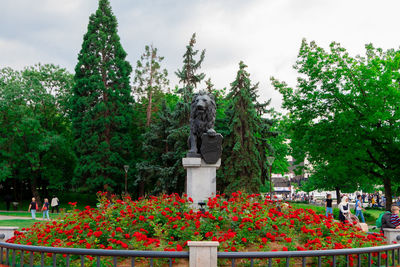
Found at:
[45, 209]
[328, 205]
[359, 208]
[33, 206]
[344, 211]
[54, 204]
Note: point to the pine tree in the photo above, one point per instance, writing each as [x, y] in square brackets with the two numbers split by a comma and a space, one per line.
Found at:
[102, 103]
[241, 157]
[150, 80]
[149, 83]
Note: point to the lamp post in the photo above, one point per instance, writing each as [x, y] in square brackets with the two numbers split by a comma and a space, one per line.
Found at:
[126, 168]
[270, 161]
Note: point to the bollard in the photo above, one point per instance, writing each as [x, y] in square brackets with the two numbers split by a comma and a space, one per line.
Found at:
[203, 253]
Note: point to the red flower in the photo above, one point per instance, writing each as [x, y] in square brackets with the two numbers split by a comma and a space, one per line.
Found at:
[235, 218]
[209, 234]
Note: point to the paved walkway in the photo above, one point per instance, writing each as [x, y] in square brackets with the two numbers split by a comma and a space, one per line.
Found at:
[5, 217]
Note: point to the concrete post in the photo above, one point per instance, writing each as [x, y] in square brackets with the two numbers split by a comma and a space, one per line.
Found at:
[392, 235]
[201, 180]
[203, 253]
[7, 232]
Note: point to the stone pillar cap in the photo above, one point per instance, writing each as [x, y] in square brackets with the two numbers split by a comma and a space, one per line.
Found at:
[198, 162]
[391, 230]
[203, 243]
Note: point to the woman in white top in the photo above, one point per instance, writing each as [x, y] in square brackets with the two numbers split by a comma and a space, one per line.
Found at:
[344, 210]
[54, 204]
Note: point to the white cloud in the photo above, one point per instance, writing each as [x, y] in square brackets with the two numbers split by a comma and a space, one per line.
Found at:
[266, 35]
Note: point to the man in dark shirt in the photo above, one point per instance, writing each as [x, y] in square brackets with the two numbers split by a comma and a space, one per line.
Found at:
[328, 205]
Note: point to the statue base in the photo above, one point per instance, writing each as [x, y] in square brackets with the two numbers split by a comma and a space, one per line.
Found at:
[201, 179]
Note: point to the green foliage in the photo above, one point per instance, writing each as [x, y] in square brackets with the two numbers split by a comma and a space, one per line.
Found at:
[165, 142]
[34, 128]
[149, 86]
[60, 132]
[102, 111]
[344, 116]
[241, 155]
[150, 81]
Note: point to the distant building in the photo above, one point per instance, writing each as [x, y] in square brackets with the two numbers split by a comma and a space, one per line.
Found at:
[289, 182]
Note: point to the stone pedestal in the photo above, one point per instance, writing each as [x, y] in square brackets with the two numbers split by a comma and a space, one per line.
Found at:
[7, 232]
[201, 179]
[203, 253]
[392, 235]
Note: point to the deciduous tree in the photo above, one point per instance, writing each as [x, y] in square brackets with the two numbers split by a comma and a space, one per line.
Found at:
[344, 114]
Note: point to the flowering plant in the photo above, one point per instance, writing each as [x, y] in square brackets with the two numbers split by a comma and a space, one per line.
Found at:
[241, 222]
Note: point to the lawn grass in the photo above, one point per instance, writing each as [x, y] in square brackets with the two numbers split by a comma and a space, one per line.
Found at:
[370, 215]
[18, 223]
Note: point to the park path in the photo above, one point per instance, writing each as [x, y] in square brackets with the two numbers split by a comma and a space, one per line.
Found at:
[6, 217]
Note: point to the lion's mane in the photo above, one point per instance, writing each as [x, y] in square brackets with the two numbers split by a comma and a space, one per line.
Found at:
[201, 122]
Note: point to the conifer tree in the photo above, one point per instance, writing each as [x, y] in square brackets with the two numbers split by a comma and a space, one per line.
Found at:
[166, 140]
[189, 79]
[102, 103]
[241, 157]
[154, 171]
[149, 83]
[150, 80]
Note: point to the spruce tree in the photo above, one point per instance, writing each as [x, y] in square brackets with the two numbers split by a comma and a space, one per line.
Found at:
[241, 158]
[154, 171]
[102, 103]
[189, 79]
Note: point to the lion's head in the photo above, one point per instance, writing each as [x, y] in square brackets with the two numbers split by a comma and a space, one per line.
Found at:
[202, 114]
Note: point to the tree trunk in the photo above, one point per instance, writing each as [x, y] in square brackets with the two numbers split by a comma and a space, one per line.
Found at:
[149, 108]
[141, 188]
[337, 194]
[388, 192]
[34, 190]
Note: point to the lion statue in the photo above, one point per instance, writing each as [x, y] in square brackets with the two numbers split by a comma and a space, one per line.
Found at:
[202, 119]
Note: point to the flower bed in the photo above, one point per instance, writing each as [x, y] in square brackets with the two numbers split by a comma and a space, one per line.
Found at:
[240, 223]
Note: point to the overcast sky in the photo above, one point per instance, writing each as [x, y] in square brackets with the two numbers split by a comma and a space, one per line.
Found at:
[266, 35]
